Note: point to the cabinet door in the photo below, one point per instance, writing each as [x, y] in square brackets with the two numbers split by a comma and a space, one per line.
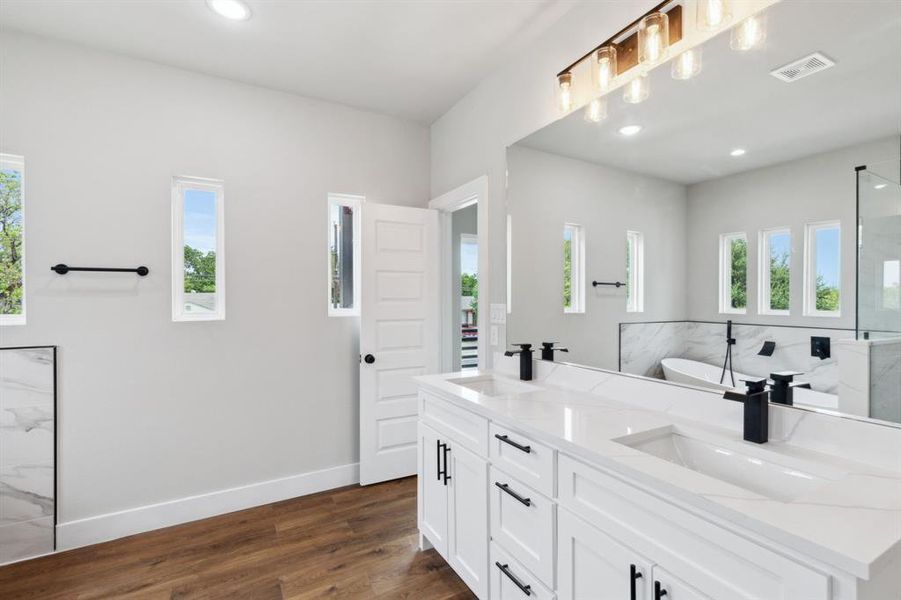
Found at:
[432, 489]
[468, 518]
[591, 566]
[667, 587]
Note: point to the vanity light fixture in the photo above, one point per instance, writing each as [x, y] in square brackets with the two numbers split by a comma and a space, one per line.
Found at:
[637, 90]
[687, 64]
[749, 34]
[653, 39]
[630, 130]
[713, 14]
[596, 111]
[234, 10]
[565, 92]
[604, 68]
[738, 152]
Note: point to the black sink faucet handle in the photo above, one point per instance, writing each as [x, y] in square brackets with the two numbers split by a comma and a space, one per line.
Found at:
[755, 386]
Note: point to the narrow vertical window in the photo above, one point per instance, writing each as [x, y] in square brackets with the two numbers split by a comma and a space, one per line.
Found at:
[634, 271]
[891, 285]
[822, 269]
[573, 268]
[774, 275]
[12, 240]
[198, 249]
[343, 255]
[733, 273]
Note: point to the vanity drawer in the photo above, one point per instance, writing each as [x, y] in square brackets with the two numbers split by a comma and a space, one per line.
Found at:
[716, 561]
[522, 523]
[468, 429]
[507, 572]
[527, 460]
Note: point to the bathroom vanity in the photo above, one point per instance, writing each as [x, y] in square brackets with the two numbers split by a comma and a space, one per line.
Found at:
[597, 485]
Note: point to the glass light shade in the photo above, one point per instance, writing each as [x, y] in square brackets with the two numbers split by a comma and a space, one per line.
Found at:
[687, 64]
[749, 34]
[653, 38]
[596, 111]
[604, 68]
[637, 90]
[565, 92]
[713, 14]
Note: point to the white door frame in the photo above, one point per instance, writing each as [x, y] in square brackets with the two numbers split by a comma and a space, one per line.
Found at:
[476, 191]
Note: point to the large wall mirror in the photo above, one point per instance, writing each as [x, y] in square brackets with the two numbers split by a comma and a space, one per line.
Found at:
[741, 223]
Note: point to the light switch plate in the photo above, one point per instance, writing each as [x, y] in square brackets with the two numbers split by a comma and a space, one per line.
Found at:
[493, 335]
[498, 314]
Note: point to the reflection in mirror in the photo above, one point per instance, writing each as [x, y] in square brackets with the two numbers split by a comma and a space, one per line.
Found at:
[740, 223]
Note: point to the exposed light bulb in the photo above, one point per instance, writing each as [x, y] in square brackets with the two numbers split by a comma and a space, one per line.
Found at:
[637, 90]
[630, 130]
[605, 68]
[565, 93]
[596, 111]
[687, 64]
[749, 34]
[713, 14]
[653, 38]
[234, 10]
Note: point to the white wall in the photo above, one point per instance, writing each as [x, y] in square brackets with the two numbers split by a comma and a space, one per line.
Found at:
[816, 188]
[151, 410]
[547, 190]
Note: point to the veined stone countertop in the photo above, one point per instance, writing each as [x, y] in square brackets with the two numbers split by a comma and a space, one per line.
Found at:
[852, 521]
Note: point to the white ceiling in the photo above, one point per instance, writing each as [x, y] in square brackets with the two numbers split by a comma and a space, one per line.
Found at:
[691, 126]
[405, 58]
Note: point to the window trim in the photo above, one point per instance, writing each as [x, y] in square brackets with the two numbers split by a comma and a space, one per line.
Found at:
[356, 203]
[635, 291]
[181, 183]
[810, 294]
[577, 270]
[17, 162]
[725, 272]
[764, 290]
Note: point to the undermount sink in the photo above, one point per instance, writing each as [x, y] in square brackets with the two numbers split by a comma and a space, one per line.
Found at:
[490, 385]
[753, 469]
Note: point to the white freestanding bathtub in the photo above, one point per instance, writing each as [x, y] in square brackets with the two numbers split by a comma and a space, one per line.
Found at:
[692, 372]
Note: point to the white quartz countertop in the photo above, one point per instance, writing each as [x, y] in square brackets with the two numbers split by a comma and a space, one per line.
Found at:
[852, 521]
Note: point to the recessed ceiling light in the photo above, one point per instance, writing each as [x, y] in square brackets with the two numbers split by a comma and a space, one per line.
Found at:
[737, 152]
[235, 10]
[630, 129]
[878, 186]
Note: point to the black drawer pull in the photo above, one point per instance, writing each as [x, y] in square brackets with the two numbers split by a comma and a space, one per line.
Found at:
[659, 592]
[438, 456]
[526, 589]
[507, 440]
[634, 576]
[507, 489]
[446, 469]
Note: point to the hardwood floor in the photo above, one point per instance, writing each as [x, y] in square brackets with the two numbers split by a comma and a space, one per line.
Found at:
[348, 543]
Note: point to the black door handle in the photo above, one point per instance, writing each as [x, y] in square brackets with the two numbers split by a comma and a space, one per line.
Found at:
[369, 359]
[506, 488]
[526, 589]
[446, 476]
[634, 576]
[507, 440]
[659, 592]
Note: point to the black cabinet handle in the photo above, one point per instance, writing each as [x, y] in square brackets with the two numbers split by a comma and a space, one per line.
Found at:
[446, 476]
[438, 457]
[506, 488]
[659, 592]
[526, 589]
[634, 576]
[507, 440]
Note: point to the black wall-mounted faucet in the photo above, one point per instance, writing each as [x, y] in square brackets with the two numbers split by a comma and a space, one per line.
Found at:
[783, 388]
[757, 414]
[525, 360]
[547, 350]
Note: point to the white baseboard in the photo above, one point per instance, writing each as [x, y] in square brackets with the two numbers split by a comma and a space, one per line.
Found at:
[102, 528]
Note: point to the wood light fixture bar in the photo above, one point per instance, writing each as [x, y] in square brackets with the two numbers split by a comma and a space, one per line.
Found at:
[627, 48]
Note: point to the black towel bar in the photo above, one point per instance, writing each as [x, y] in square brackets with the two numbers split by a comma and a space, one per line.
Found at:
[614, 283]
[62, 269]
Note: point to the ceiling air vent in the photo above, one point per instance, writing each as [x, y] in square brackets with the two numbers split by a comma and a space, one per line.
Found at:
[801, 68]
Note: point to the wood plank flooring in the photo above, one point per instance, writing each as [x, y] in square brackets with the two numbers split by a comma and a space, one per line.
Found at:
[348, 543]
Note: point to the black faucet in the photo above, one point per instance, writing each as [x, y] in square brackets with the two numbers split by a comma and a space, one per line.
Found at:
[525, 360]
[782, 390]
[547, 350]
[757, 403]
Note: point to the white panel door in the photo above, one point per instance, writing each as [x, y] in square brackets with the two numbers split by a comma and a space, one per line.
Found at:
[399, 333]
[591, 566]
[467, 540]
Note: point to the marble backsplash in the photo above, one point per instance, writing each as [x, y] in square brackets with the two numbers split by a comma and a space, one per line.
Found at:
[643, 345]
[27, 470]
